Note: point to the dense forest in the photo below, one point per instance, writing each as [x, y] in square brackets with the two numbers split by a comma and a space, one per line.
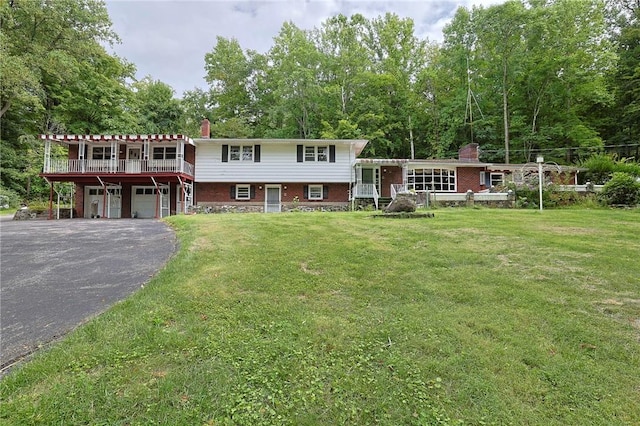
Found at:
[557, 77]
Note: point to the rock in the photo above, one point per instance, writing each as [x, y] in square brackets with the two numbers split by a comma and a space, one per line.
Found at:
[404, 202]
[25, 214]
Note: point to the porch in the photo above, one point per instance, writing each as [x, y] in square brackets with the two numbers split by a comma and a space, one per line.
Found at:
[136, 167]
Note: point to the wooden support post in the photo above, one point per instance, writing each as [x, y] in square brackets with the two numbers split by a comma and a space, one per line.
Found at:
[51, 201]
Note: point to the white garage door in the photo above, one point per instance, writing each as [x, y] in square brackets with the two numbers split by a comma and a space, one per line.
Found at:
[144, 200]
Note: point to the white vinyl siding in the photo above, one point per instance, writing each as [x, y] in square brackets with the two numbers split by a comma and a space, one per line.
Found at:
[278, 163]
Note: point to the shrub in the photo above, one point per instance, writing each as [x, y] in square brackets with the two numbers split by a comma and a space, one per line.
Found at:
[599, 168]
[9, 198]
[623, 189]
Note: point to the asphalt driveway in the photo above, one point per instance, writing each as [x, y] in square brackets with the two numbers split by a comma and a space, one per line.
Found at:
[56, 274]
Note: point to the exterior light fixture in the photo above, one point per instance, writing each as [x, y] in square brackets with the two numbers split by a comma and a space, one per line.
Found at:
[540, 160]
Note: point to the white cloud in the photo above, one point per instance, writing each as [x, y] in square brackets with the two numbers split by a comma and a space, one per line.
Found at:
[168, 39]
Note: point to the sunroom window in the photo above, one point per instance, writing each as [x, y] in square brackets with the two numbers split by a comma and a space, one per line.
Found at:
[442, 180]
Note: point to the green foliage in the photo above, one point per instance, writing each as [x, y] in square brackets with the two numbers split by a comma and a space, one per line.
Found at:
[601, 167]
[8, 198]
[622, 189]
[156, 111]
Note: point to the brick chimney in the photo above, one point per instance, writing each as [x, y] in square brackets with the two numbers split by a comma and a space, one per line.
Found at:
[469, 153]
[205, 129]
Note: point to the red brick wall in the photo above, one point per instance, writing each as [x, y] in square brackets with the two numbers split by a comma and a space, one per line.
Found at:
[78, 200]
[122, 151]
[73, 152]
[215, 192]
[190, 154]
[125, 211]
[468, 178]
[389, 175]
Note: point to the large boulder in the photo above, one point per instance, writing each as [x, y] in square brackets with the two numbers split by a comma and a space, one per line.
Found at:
[404, 202]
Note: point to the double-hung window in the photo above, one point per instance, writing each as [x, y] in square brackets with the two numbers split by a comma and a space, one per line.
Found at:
[315, 192]
[240, 152]
[314, 153]
[164, 153]
[101, 153]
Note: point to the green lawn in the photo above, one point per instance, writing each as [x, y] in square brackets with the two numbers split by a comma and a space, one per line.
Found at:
[476, 316]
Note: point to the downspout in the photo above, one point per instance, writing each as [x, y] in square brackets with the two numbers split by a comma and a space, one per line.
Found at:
[104, 197]
[157, 197]
[183, 198]
[50, 198]
[352, 165]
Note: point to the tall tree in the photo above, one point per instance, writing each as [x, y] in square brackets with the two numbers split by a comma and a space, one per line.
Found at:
[294, 79]
[155, 108]
[56, 77]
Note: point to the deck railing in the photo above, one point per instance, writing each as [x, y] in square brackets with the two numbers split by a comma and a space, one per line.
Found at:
[366, 190]
[395, 188]
[118, 166]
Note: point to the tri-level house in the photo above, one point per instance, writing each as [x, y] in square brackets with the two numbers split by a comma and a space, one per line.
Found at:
[146, 176]
[124, 176]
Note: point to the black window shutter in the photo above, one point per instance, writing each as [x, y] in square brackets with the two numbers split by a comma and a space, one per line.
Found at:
[232, 192]
[225, 153]
[325, 192]
[332, 153]
[300, 153]
[256, 154]
[252, 192]
[306, 192]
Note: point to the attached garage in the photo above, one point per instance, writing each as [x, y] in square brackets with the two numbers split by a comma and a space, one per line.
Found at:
[146, 203]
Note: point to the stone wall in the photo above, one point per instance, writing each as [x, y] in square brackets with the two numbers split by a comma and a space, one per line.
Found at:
[28, 214]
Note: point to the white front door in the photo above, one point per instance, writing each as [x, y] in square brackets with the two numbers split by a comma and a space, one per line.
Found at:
[114, 202]
[133, 159]
[272, 199]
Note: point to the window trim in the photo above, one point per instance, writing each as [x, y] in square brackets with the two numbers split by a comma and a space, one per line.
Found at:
[105, 151]
[163, 150]
[435, 182]
[497, 174]
[244, 153]
[243, 188]
[315, 187]
[316, 154]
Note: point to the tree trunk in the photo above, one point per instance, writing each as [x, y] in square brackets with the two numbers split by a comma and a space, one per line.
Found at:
[505, 111]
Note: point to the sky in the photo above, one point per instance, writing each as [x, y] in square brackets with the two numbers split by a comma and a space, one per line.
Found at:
[168, 39]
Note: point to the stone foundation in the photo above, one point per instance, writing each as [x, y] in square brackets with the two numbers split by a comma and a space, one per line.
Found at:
[255, 208]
